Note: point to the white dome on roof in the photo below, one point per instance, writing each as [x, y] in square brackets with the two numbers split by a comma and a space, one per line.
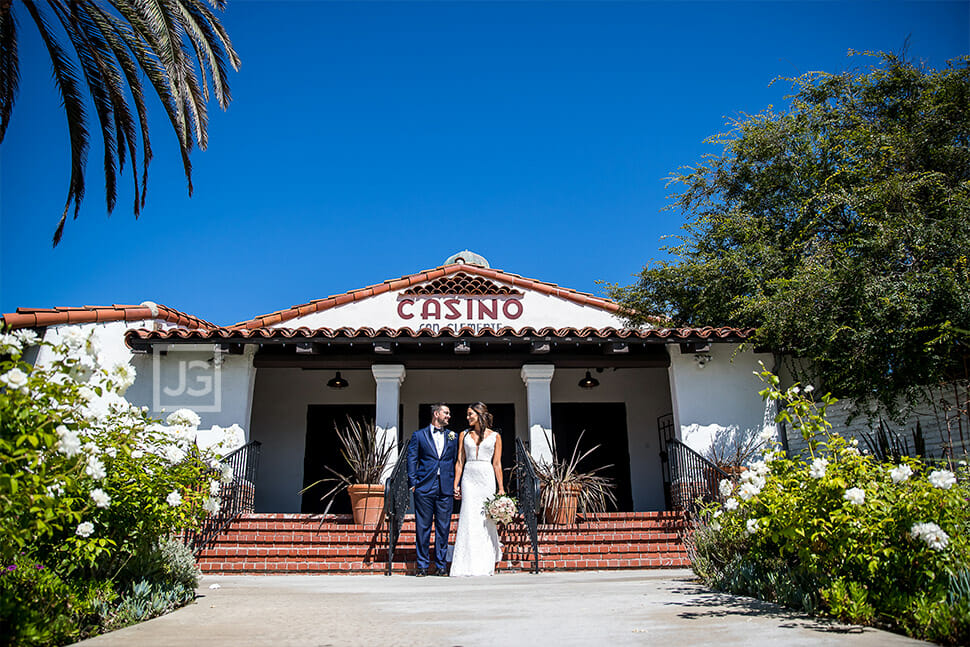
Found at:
[467, 257]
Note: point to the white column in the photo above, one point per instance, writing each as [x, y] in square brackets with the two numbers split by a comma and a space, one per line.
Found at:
[538, 379]
[389, 378]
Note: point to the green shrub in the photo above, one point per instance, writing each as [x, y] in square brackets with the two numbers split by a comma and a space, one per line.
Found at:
[35, 605]
[90, 488]
[841, 533]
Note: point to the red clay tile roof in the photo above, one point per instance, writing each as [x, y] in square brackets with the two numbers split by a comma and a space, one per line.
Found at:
[673, 335]
[404, 282]
[40, 317]
[461, 283]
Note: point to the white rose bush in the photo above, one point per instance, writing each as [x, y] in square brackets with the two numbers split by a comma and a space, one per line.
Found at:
[89, 484]
[839, 533]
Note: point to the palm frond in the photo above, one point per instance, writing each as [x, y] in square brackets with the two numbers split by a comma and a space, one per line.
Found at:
[78, 34]
[9, 68]
[113, 43]
[68, 84]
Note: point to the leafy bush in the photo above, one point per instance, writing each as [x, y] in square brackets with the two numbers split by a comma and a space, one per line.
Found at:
[842, 533]
[90, 490]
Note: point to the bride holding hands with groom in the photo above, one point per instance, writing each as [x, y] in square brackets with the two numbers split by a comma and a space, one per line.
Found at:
[444, 466]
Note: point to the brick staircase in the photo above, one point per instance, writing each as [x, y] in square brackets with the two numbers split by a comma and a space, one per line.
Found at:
[301, 543]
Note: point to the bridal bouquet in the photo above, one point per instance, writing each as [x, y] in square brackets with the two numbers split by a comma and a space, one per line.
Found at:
[501, 508]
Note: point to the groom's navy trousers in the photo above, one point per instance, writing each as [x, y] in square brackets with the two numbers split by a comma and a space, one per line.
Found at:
[433, 480]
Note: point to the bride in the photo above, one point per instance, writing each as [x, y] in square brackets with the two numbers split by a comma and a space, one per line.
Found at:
[477, 472]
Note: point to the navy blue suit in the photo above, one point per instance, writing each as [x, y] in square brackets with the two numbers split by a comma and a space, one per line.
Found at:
[433, 480]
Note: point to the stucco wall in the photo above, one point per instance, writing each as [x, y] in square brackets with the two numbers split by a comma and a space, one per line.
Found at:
[220, 396]
[718, 403]
[538, 311]
[282, 396]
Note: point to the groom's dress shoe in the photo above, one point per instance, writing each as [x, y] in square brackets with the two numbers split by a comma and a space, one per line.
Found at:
[441, 572]
[421, 572]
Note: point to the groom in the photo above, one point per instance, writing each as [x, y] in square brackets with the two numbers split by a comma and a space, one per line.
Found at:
[432, 452]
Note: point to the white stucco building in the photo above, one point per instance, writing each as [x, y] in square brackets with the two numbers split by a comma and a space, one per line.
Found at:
[458, 333]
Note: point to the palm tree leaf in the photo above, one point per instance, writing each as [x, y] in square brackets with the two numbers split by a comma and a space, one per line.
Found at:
[65, 77]
[97, 86]
[9, 67]
[116, 33]
[96, 33]
[145, 48]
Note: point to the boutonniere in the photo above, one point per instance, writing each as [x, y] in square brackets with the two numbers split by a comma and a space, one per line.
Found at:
[451, 435]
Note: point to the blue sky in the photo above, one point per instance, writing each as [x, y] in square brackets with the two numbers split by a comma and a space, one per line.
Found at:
[367, 141]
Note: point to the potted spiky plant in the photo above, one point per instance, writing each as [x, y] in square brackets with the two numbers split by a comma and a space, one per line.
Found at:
[366, 456]
[565, 489]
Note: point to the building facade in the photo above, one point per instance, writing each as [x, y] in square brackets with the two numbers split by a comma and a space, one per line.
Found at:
[551, 363]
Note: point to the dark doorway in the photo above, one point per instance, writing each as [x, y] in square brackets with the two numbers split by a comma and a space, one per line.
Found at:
[323, 449]
[503, 418]
[605, 425]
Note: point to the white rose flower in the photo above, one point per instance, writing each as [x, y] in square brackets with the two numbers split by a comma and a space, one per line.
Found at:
[26, 337]
[932, 534]
[725, 487]
[748, 491]
[137, 453]
[9, 345]
[183, 418]
[100, 498]
[900, 473]
[809, 388]
[67, 441]
[124, 376]
[15, 379]
[817, 469]
[943, 479]
[751, 526]
[85, 529]
[759, 468]
[227, 474]
[715, 526]
[731, 504]
[855, 496]
[174, 454]
[95, 468]
[211, 505]
[214, 488]
[174, 498]
[111, 451]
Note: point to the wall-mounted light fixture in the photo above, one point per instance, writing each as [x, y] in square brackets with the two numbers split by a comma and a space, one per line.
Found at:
[588, 382]
[702, 359]
[338, 382]
[462, 347]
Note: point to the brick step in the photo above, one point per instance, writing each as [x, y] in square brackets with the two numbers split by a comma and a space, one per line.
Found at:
[403, 568]
[350, 554]
[290, 543]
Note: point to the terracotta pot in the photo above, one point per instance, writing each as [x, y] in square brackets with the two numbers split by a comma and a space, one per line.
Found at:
[367, 503]
[564, 512]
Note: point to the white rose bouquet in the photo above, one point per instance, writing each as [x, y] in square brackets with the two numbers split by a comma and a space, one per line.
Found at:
[501, 508]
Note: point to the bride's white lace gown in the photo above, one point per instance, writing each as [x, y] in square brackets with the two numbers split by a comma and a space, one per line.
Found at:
[477, 547]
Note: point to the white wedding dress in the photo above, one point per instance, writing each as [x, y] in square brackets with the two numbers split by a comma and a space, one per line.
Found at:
[477, 547]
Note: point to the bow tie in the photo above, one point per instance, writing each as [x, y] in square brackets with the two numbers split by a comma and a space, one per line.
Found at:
[435, 430]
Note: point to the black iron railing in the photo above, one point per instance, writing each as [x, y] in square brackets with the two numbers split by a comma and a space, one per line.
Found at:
[236, 497]
[694, 480]
[526, 490]
[397, 497]
[665, 429]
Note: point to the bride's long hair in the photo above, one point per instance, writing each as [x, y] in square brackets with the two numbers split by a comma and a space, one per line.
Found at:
[483, 415]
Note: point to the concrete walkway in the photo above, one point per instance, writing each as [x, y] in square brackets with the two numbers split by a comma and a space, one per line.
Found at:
[586, 608]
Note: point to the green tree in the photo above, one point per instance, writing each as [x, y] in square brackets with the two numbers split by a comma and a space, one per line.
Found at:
[839, 228]
[178, 46]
